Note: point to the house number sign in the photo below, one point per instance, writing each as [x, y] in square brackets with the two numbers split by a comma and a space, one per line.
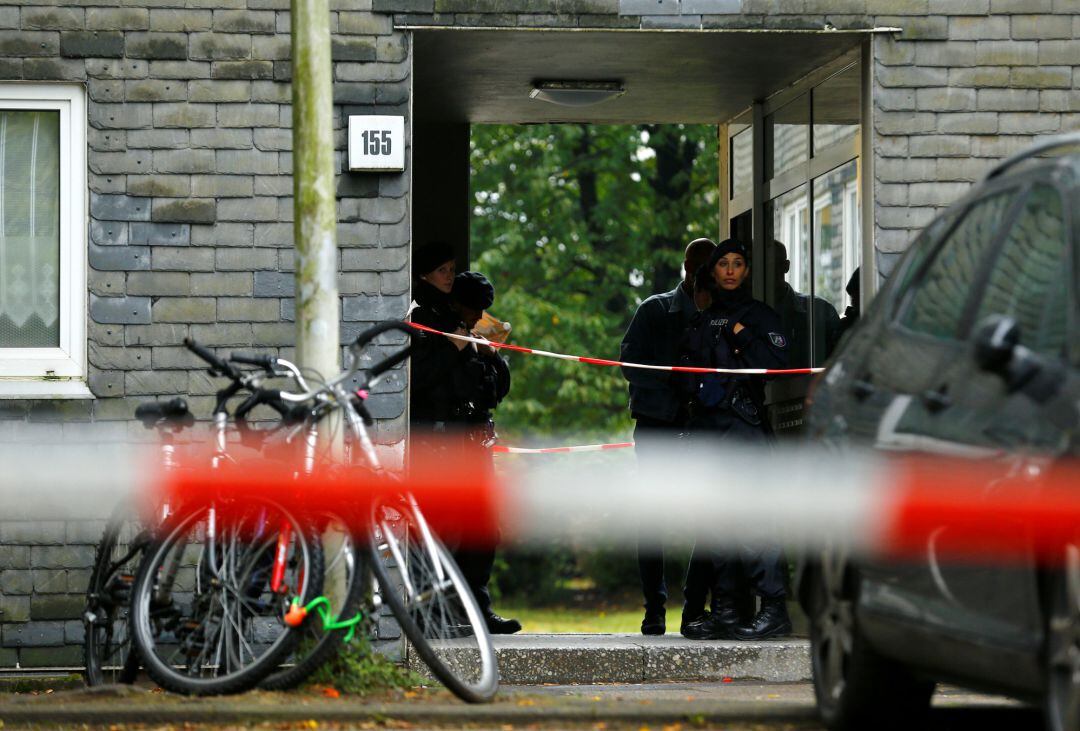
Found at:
[376, 143]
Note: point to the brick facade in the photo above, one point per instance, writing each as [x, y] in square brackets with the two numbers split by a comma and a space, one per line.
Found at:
[190, 190]
[190, 234]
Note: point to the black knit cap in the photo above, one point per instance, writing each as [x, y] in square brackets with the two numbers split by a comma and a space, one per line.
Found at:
[728, 246]
[473, 290]
[431, 256]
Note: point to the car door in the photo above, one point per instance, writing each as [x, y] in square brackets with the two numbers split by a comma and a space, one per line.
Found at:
[900, 377]
[989, 599]
[887, 375]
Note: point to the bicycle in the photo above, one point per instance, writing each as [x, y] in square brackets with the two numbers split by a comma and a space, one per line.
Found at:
[436, 606]
[209, 600]
[107, 652]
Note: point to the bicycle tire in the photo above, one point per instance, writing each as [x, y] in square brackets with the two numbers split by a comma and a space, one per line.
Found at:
[108, 655]
[245, 550]
[458, 620]
[321, 645]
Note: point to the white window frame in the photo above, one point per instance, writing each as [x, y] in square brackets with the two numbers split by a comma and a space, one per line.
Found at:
[795, 235]
[852, 228]
[57, 372]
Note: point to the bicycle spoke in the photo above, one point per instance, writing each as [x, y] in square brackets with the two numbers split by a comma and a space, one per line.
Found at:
[238, 624]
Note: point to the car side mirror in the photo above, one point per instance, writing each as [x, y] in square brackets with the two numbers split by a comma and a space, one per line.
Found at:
[998, 350]
[996, 340]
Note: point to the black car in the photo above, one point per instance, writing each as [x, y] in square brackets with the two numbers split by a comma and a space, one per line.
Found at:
[971, 349]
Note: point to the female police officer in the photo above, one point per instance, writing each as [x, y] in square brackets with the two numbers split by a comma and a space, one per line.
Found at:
[455, 386]
[736, 331]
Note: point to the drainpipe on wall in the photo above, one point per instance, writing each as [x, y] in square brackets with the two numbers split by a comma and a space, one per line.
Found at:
[317, 327]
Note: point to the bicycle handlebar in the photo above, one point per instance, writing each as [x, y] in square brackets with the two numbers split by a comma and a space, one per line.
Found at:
[271, 397]
[265, 362]
[217, 365]
[392, 360]
[174, 411]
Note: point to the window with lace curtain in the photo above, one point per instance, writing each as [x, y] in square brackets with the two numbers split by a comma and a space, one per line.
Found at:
[42, 241]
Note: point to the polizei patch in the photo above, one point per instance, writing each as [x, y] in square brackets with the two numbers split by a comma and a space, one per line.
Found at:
[778, 340]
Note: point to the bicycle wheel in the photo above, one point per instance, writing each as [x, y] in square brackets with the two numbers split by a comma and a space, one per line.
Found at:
[107, 651]
[432, 602]
[208, 606]
[343, 586]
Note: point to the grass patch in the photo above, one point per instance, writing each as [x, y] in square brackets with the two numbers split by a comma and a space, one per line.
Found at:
[30, 684]
[576, 608]
[573, 620]
[357, 670]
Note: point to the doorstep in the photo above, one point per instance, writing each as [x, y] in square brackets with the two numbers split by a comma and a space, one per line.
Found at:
[631, 658]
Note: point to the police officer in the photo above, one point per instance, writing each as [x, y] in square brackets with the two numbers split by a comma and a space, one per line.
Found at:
[432, 396]
[735, 331]
[455, 387]
[659, 413]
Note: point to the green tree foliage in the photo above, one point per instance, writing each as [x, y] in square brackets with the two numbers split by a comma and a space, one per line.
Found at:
[576, 225]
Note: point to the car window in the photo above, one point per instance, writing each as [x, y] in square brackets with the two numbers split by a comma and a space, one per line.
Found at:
[1029, 281]
[923, 245]
[937, 304]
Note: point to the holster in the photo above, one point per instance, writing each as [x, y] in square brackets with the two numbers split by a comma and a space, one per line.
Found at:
[482, 434]
[743, 405]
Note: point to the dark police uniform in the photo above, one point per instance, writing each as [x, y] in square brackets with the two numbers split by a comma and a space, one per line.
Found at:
[451, 388]
[453, 393]
[732, 407]
[659, 412]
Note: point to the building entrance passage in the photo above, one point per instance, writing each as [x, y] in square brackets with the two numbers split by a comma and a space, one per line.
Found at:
[785, 119]
[788, 109]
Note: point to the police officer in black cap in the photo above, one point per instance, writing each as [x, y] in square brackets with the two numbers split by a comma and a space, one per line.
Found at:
[735, 331]
[435, 358]
[456, 386]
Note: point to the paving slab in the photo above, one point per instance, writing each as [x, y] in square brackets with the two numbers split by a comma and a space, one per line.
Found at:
[725, 705]
[630, 658]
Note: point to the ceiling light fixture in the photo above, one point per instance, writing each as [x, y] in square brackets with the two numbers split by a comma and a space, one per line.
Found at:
[576, 93]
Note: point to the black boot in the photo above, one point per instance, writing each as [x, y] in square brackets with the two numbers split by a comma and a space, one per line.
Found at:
[716, 625]
[501, 625]
[655, 622]
[691, 615]
[771, 621]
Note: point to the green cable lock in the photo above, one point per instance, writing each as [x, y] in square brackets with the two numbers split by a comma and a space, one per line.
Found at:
[296, 615]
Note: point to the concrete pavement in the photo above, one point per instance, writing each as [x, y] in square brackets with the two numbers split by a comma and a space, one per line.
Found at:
[632, 658]
[729, 705]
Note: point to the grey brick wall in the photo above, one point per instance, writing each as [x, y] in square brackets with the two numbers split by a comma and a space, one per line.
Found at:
[189, 137]
[190, 188]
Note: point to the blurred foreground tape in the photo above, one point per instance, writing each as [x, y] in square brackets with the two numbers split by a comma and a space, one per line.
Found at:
[868, 503]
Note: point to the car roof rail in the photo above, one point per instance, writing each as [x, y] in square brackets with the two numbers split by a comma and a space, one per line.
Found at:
[1050, 143]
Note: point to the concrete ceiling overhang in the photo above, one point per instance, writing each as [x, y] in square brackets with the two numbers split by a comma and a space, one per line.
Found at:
[485, 76]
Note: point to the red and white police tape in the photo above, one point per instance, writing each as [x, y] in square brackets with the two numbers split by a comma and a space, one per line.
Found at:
[605, 362]
[869, 504]
[501, 449]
